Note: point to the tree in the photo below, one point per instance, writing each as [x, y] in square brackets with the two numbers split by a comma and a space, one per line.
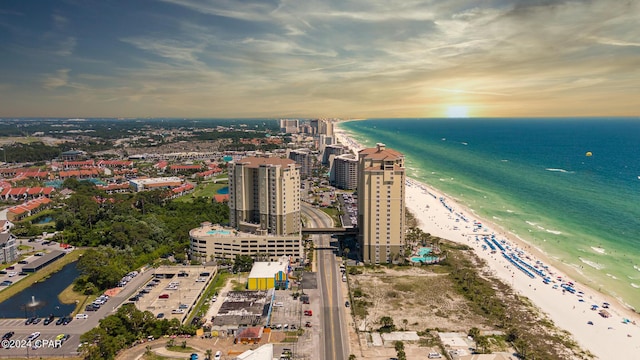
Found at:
[352, 357]
[474, 332]
[243, 263]
[482, 342]
[405, 322]
[386, 323]
[208, 354]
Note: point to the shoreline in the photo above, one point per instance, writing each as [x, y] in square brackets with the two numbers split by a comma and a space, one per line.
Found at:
[606, 338]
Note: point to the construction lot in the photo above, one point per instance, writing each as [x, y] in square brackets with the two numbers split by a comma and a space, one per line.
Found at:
[173, 291]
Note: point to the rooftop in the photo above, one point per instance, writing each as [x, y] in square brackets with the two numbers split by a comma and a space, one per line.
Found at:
[269, 269]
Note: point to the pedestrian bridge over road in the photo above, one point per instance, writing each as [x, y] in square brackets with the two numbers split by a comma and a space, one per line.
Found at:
[333, 230]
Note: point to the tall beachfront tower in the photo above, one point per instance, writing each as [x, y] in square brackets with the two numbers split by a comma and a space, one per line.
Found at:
[381, 203]
[264, 195]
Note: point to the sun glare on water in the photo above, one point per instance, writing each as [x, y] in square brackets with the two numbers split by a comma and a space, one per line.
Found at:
[457, 111]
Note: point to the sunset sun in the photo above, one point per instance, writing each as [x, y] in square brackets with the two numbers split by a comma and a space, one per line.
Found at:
[457, 111]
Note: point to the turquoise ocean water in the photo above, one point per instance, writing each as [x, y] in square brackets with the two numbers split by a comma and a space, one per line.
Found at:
[533, 177]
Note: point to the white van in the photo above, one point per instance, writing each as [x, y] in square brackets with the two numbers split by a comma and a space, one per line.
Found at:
[434, 355]
[81, 316]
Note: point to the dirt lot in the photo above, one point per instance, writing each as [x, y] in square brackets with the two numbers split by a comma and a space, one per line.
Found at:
[428, 295]
[416, 298]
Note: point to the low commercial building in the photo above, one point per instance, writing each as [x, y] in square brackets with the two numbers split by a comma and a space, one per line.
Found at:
[269, 275]
[244, 308]
[209, 242]
[155, 183]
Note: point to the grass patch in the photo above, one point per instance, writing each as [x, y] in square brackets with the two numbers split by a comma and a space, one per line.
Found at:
[333, 212]
[205, 189]
[178, 348]
[40, 275]
[203, 304]
[152, 356]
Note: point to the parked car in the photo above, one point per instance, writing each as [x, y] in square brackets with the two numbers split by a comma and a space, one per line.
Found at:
[33, 336]
[308, 313]
[163, 296]
[67, 320]
[160, 316]
[82, 316]
[60, 320]
[49, 319]
[218, 355]
[23, 262]
[8, 335]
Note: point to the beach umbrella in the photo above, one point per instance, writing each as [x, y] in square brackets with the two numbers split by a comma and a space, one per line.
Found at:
[589, 153]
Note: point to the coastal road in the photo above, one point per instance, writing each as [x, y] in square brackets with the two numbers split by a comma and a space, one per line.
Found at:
[334, 337]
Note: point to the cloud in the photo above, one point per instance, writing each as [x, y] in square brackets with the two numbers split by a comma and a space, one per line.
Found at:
[59, 79]
[59, 21]
[66, 46]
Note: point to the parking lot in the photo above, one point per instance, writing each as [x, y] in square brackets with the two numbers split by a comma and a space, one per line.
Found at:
[173, 291]
[286, 313]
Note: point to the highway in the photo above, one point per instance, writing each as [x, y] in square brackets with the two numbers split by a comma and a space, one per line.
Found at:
[334, 337]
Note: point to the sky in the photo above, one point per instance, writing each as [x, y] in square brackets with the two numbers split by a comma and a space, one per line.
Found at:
[308, 58]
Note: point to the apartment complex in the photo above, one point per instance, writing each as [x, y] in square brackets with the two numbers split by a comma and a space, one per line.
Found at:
[344, 172]
[305, 159]
[264, 213]
[330, 150]
[264, 195]
[381, 203]
[289, 126]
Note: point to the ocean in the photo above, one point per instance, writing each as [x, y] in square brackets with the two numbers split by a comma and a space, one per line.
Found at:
[568, 186]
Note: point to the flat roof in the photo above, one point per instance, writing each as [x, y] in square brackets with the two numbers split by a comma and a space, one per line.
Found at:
[43, 260]
[265, 269]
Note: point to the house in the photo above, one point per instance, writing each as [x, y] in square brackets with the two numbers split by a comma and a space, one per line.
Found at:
[8, 248]
[5, 226]
[250, 335]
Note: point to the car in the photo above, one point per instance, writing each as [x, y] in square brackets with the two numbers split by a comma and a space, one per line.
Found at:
[177, 311]
[48, 320]
[11, 267]
[36, 320]
[60, 320]
[346, 303]
[307, 324]
[6, 283]
[67, 320]
[308, 313]
[194, 356]
[278, 304]
[90, 308]
[3, 272]
[434, 355]
[30, 320]
[218, 355]
[22, 273]
[163, 296]
[82, 316]
[39, 254]
[134, 298]
[8, 335]
[590, 322]
[33, 336]
[12, 273]
[23, 262]
[160, 316]
[183, 306]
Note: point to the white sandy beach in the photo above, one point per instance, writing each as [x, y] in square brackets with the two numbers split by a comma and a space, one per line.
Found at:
[607, 338]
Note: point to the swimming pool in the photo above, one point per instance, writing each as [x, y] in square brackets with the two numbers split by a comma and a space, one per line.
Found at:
[223, 191]
[218, 232]
[422, 256]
